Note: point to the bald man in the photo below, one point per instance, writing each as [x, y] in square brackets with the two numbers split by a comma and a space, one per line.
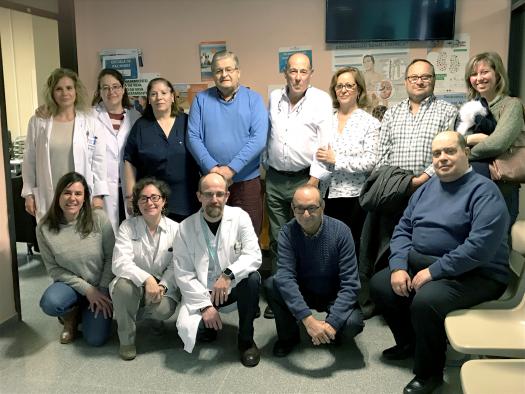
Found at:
[316, 269]
[300, 123]
[449, 251]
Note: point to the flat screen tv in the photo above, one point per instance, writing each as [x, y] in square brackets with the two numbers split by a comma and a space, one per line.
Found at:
[389, 20]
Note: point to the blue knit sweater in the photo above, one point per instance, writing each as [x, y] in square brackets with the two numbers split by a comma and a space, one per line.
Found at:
[464, 223]
[322, 265]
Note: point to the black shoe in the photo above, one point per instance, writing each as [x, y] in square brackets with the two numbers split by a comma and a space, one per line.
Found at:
[258, 313]
[250, 354]
[268, 313]
[283, 348]
[398, 352]
[206, 335]
[423, 386]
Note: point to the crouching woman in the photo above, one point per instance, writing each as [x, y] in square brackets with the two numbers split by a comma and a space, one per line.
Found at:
[76, 244]
[144, 286]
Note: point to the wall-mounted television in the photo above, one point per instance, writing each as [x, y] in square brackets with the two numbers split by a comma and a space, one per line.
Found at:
[389, 20]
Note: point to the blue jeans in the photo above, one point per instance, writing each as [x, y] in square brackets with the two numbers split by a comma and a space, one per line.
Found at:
[59, 298]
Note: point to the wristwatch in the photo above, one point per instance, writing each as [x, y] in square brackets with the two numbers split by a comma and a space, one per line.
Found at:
[228, 272]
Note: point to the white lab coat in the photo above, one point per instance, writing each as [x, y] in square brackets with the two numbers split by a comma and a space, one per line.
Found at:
[133, 254]
[115, 143]
[238, 250]
[89, 157]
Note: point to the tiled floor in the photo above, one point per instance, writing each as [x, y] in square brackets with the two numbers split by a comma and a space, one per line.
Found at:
[33, 361]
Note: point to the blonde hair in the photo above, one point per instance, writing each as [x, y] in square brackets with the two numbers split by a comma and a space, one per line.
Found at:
[495, 62]
[81, 101]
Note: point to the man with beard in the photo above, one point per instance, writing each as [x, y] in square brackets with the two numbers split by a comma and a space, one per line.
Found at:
[216, 257]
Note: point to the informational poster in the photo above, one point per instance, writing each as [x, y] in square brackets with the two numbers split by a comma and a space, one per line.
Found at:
[206, 51]
[126, 61]
[286, 52]
[383, 68]
[186, 92]
[137, 90]
[450, 59]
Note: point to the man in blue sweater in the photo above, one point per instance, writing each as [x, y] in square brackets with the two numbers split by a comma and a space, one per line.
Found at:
[316, 269]
[449, 251]
[227, 131]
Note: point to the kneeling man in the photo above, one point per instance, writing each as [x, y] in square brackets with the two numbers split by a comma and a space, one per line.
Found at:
[316, 269]
[449, 251]
[216, 264]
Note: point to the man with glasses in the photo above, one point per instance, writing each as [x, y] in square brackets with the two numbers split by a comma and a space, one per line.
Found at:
[227, 130]
[300, 123]
[216, 261]
[316, 269]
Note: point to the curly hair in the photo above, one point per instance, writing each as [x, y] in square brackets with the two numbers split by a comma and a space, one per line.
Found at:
[81, 103]
[163, 187]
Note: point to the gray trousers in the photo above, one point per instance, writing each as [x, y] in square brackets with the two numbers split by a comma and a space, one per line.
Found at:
[129, 306]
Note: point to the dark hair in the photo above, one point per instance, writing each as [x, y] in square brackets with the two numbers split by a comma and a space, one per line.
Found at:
[54, 217]
[494, 61]
[362, 97]
[118, 76]
[163, 187]
[201, 180]
[417, 61]
[370, 57]
[148, 111]
[51, 83]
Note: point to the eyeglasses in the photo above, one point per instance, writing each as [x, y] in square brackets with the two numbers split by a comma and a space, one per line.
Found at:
[348, 86]
[424, 78]
[153, 198]
[228, 70]
[209, 195]
[300, 210]
[112, 88]
[293, 72]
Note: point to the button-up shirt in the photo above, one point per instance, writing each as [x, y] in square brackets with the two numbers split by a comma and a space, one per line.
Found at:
[297, 132]
[406, 138]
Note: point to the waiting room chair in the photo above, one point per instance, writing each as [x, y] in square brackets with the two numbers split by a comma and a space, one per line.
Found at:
[493, 376]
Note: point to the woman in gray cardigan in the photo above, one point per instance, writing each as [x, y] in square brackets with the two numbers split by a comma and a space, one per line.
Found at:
[76, 243]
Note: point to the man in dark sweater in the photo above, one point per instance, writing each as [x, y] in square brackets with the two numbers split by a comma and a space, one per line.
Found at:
[449, 251]
[316, 269]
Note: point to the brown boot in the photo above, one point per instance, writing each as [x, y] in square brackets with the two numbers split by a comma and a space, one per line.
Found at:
[70, 319]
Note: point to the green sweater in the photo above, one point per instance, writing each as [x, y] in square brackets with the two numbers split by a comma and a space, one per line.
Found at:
[508, 111]
[78, 262]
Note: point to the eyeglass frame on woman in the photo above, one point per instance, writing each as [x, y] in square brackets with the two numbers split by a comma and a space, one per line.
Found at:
[112, 88]
[154, 198]
[350, 87]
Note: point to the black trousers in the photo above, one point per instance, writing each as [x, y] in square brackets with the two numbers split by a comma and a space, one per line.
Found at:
[419, 318]
[287, 327]
[246, 294]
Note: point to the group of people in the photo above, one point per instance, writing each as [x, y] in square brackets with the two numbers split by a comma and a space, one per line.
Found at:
[171, 176]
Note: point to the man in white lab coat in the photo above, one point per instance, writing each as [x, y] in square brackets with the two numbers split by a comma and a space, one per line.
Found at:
[216, 259]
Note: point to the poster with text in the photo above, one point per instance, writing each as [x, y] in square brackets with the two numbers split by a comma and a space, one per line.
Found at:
[137, 90]
[126, 61]
[286, 52]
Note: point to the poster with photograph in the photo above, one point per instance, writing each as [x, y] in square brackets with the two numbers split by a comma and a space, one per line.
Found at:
[186, 92]
[286, 52]
[137, 90]
[206, 52]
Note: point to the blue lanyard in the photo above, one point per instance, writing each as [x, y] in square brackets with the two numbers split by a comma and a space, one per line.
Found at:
[212, 249]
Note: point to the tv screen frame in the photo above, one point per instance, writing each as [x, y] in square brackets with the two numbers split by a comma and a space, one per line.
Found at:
[382, 24]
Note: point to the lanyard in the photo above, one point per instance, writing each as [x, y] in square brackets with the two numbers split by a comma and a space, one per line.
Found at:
[212, 248]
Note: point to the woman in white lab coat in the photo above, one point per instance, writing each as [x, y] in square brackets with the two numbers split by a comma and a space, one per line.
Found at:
[144, 285]
[115, 116]
[66, 141]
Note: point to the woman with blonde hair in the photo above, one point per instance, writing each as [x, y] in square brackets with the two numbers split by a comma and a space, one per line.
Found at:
[486, 78]
[64, 142]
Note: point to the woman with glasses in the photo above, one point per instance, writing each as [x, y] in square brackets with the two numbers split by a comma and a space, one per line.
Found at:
[487, 78]
[76, 244]
[353, 152]
[65, 140]
[144, 286]
[156, 147]
[115, 117]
